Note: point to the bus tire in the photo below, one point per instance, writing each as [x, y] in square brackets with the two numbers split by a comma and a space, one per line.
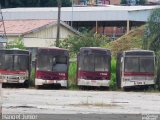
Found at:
[38, 86]
[152, 87]
[26, 84]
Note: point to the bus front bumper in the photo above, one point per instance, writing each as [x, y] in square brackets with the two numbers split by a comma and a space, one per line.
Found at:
[63, 83]
[137, 83]
[83, 82]
[13, 81]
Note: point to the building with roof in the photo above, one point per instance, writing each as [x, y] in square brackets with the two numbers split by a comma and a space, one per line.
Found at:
[123, 18]
[37, 33]
[96, 2]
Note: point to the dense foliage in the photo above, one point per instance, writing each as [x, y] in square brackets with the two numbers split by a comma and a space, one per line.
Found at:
[152, 33]
[128, 41]
[33, 3]
[72, 75]
[74, 43]
[112, 83]
[152, 37]
[18, 43]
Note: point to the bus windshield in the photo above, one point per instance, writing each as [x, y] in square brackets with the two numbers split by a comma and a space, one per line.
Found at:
[52, 63]
[139, 64]
[13, 62]
[94, 62]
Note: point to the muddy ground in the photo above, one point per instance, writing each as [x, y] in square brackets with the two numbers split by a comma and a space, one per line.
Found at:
[33, 101]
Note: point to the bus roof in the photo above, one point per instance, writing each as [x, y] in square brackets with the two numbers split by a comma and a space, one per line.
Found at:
[52, 51]
[95, 49]
[13, 51]
[52, 48]
[139, 52]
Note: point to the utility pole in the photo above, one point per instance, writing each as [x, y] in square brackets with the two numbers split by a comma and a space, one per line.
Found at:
[58, 22]
[3, 37]
[72, 15]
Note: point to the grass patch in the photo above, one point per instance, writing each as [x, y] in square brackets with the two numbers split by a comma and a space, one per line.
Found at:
[133, 39]
[72, 76]
[112, 83]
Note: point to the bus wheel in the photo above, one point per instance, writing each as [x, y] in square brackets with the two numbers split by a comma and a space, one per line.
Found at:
[125, 89]
[38, 86]
[151, 87]
[26, 84]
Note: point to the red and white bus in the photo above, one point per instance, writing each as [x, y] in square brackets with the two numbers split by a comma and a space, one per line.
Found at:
[52, 67]
[94, 67]
[135, 68]
[15, 66]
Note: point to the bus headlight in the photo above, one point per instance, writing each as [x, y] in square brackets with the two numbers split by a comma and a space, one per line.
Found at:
[22, 78]
[126, 79]
[2, 77]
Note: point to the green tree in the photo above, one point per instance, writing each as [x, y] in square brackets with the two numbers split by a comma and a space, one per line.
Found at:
[74, 43]
[18, 43]
[152, 37]
[152, 33]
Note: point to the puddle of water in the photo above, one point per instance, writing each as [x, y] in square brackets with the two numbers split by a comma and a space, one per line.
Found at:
[21, 106]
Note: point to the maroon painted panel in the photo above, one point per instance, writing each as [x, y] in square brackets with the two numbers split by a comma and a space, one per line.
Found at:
[94, 75]
[138, 74]
[49, 75]
[13, 71]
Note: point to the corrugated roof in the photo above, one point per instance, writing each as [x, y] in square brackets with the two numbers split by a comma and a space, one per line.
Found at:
[19, 27]
[90, 8]
[103, 13]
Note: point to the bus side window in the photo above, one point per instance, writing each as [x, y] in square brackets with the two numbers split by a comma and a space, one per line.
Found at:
[60, 64]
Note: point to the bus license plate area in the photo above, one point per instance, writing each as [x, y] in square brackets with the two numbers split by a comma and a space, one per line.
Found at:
[138, 83]
[93, 81]
[12, 81]
[51, 81]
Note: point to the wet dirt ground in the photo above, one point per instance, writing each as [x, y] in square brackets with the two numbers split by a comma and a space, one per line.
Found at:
[33, 101]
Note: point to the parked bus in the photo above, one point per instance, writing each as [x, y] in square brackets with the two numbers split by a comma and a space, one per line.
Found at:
[52, 67]
[94, 67]
[135, 68]
[15, 66]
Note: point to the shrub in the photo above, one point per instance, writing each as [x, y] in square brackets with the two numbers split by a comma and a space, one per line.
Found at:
[72, 75]
[112, 83]
[74, 43]
[18, 43]
[131, 40]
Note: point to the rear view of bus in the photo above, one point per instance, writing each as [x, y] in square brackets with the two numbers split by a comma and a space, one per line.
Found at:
[52, 67]
[135, 68]
[15, 66]
[93, 68]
